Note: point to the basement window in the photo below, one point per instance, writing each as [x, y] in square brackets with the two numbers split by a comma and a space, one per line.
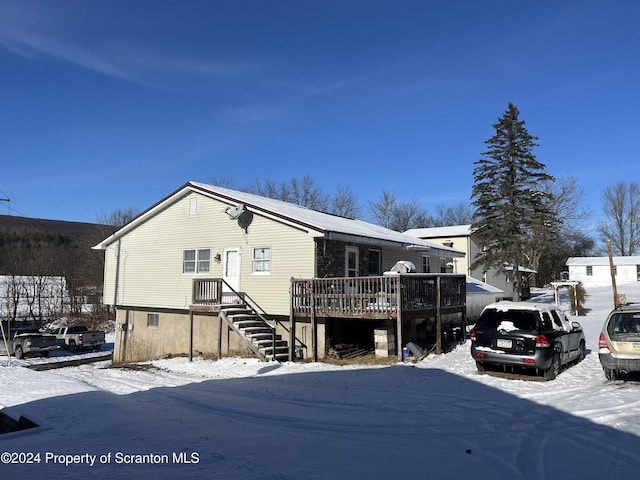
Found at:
[153, 320]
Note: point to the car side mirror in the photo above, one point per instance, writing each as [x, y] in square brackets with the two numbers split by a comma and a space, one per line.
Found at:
[576, 325]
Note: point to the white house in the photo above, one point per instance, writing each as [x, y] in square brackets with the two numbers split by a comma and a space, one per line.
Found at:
[596, 271]
[462, 237]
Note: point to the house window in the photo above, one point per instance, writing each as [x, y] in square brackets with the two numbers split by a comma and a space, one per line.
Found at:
[262, 260]
[443, 265]
[153, 320]
[638, 272]
[374, 262]
[196, 261]
[589, 271]
[426, 267]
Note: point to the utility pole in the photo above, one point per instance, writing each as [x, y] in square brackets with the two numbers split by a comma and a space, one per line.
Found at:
[613, 276]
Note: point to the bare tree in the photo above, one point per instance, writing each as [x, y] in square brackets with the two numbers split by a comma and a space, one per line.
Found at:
[621, 225]
[552, 243]
[117, 218]
[344, 203]
[459, 214]
[300, 191]
[394, 214]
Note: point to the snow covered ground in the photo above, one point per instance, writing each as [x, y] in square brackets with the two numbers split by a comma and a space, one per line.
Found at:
[243, 419]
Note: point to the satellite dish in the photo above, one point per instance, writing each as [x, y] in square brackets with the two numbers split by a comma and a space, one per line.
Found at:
[245, 219]
[235, 212]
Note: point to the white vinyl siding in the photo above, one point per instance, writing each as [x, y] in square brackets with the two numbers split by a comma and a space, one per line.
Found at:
[151, 256]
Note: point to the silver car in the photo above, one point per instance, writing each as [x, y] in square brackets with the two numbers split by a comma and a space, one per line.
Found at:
[619, 346]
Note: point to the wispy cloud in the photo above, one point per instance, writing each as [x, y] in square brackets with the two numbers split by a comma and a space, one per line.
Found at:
[32, 35]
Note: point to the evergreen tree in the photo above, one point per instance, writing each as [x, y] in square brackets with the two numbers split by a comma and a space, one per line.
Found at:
[511, 203]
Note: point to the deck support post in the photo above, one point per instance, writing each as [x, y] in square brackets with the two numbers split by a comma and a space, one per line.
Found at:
[399, 338]
[438, 317]
[219, 336]
[191, 336]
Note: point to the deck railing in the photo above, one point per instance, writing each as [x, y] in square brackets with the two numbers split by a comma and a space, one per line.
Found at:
[379, 295]
[356, 296]
[206, 291]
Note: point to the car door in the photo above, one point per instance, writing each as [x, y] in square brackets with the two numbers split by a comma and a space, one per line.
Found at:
[559, 333]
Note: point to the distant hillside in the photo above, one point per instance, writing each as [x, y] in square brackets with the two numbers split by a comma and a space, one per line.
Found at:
[66, 229]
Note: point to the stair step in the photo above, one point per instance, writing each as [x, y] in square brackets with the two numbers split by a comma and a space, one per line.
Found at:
[262, 336]
[244, 314]
[268, 343]
[279, 357]
[248, 323]
[230, 312]
[279, 350]
[256, 329]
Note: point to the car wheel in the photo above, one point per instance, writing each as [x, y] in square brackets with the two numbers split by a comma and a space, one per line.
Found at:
[73, 348]
[583, 351]
[610, 374]
[554, 369]
[19, 352]
[481, 366]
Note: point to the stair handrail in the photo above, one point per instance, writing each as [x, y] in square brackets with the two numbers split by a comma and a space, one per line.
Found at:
[255, 306]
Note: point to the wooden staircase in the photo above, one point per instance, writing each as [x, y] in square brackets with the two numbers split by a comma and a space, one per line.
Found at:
[256, 332]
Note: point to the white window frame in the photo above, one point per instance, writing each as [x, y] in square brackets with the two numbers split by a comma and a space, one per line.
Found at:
[264, 261]
[201, 261]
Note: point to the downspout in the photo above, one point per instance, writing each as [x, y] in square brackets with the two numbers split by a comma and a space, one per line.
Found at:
[123, 331]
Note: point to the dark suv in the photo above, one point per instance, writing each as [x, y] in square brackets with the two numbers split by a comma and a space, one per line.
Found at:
[517, 335]
[619, 346]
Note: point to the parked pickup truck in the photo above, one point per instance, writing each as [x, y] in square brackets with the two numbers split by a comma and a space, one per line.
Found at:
[31, 342]
[79, 337]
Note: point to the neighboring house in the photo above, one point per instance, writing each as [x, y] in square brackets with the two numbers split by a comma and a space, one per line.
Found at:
[461, 237]
[218, 271]
[596, 271]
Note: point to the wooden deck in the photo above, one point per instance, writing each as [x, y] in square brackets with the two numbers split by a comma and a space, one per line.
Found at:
[399, 297]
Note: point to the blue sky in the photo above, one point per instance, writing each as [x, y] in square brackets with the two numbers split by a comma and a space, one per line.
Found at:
[115, 104]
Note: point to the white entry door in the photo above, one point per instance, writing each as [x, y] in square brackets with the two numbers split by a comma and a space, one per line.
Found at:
[231, 275]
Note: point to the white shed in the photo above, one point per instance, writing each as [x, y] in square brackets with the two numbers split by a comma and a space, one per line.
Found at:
[596, 271]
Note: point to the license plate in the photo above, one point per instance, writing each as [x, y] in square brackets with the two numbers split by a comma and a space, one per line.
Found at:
[502, 343]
